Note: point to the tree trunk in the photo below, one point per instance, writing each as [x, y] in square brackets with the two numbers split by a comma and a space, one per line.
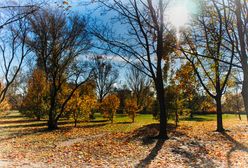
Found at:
[163, 112]
[219, 114]
[112, 118]
[239, 115]
[38, 118]
[176, 118]
[75, 123]
[190, 106]
[52, 122]
[245, 94]
[191, 114]
[243, 55]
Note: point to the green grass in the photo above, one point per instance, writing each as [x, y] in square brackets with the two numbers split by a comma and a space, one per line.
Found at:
[212, 117]
[122, 123]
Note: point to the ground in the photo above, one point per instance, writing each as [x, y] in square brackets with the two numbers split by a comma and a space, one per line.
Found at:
[26, 143]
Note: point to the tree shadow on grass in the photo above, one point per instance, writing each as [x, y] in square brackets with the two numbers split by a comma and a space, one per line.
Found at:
[197, 119]
[237, 146]
[125, 122]
[30, 123]
[11, 117]
[92, 126]
[22, 134]
[97, 121]
[20, 121]
[34, 127]
[35, 124]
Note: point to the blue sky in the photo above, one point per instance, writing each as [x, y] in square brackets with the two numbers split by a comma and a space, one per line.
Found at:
[86, 7]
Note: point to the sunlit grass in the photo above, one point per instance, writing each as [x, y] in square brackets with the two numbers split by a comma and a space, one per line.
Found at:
[122, 123]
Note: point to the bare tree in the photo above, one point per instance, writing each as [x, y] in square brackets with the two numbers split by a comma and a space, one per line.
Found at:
[13, 11]
[12, 46]
[239, 9]
[140, 85]
[145, 41]
[105, 76]
[57, 42]
[13, 52]
[210, 41]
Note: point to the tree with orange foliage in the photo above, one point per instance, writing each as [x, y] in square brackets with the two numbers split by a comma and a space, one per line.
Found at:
[35, 103]
[131, 108]
[109, 106]
[188, 86]
[4, 104]
[80, 106]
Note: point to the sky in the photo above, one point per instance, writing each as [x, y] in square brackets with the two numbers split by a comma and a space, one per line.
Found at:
[178, 14]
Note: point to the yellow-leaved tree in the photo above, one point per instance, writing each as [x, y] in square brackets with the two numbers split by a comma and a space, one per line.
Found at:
[89, 103]
[81, 106]
[4, 105]
[35, 103]
[131, 108]
[109, 106]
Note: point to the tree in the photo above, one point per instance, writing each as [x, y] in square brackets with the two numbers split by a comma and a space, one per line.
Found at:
[146, 41]
[139, 84]
[109, 106]
[4, 105]
[207, 104]
[11, 13]
[131, 108]
[12, 53]
[82, 103]
[188, 86]
[239, 28]
[57, 42]
[13, 17]
[123, 94]
[18, 89]
[35, 102]
[80, 106]
[233, 103]
[207, 44]
[105, 76]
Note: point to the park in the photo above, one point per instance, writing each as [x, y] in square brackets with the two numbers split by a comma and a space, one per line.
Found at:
[124, 83]
[194, 143]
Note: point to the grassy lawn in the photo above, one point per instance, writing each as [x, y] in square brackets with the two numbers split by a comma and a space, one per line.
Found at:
[212, 117]
[26, 142]
[14, 121]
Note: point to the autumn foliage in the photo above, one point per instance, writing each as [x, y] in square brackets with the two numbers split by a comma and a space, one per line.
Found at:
[5, 105]
[109, 106]
[80, 107]
[131, 108]
[35, 103]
